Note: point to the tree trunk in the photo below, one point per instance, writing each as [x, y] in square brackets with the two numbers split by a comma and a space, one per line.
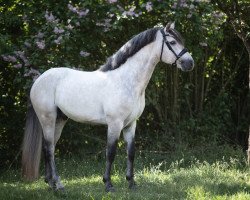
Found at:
[247, 45]
[248, 150]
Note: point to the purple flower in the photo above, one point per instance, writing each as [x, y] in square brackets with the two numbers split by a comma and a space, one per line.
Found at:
[174, 6]
[58, 40]
[111, 15]
[9, 58]
[120, 8]
[32, 73]
[49, 17]
[12, 59]
[99, 24]
[131, 12]
[40, 35]
[84, 53]
[83, 13]
[17, 66]
[201, 1]
[40, 44]
[106, 24]
[185, 5]
[5, 58]
[192, 6]
[149, 6]
[27, 44]
[203, 44]
[112, 1]
[72, 8]
[21, 55]
[217, 15]
[58, 30]
[70, 27]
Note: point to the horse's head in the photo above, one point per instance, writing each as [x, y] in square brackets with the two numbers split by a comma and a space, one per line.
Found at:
[172, 49]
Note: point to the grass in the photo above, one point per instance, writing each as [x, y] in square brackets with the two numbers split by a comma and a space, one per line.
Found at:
[156, 176]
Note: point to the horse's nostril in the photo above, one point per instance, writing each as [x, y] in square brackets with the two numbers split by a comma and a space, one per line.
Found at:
[191, 62]
[187, 65]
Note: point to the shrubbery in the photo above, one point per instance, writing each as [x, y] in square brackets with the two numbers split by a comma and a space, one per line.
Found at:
[207, 105]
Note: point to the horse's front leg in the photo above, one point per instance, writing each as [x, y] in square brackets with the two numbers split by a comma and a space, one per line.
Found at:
[114, 130]
[129, 135]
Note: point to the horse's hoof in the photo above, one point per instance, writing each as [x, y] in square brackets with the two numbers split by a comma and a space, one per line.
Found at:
[132, 186]
[110, 189]
[60, 189]
[57, 185]
[60, 192]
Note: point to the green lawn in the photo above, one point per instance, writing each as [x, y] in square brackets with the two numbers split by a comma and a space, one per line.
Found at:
[157, 178]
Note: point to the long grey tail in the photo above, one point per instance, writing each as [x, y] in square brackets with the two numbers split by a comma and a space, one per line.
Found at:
[32, 145]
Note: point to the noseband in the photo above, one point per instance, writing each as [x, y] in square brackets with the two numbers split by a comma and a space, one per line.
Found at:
[170, 48]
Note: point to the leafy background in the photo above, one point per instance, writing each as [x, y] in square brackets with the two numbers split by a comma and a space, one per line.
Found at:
[205, 109]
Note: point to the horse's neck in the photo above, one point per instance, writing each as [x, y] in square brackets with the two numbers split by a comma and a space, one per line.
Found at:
[139, 68]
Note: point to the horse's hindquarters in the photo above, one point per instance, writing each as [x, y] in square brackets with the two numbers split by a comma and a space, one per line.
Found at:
[42, 93]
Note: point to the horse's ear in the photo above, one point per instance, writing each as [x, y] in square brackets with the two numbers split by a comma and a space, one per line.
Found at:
[170, 25]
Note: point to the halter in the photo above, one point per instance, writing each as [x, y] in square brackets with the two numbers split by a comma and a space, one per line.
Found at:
[170, 48]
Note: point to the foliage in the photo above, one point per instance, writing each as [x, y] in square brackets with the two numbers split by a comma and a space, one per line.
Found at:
[206, 105]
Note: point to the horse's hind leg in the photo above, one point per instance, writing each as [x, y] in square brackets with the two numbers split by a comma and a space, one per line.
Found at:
[61, 120]
[46, 162]
[58, 130]
[48, 122]
[60, 123]
[129, 134]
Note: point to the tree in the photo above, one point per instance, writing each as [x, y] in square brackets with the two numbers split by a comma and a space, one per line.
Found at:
[182, 108]
[237, 12]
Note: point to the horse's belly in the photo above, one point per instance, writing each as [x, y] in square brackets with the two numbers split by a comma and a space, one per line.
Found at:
[84, 113]
[87, 119]
[81, 104]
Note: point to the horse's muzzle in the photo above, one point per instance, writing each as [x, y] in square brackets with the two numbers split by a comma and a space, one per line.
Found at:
[187, 65]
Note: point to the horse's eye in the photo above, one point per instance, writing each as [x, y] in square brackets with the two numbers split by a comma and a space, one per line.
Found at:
[173, 42]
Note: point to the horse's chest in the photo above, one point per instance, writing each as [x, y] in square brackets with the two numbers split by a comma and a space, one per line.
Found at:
[136, 110]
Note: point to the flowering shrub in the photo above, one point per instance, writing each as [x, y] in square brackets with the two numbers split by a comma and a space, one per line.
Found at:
[82, 28]
[38, 35]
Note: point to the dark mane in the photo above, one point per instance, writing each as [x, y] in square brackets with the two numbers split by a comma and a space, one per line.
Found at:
[129, 49]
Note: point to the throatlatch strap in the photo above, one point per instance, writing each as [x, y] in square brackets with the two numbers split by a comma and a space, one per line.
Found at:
[162, 49]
